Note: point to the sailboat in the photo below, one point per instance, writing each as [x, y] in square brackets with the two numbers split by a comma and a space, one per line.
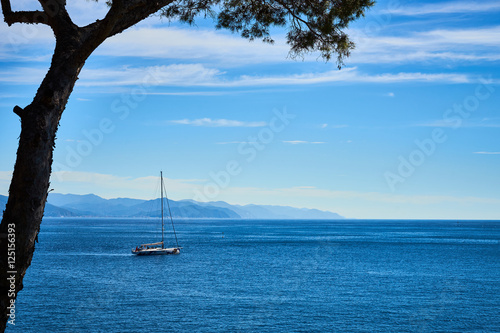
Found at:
[159, 247]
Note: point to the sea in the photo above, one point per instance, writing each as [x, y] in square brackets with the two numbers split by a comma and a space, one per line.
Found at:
[264, 276]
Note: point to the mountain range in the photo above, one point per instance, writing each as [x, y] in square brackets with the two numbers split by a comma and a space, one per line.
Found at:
[91, 205]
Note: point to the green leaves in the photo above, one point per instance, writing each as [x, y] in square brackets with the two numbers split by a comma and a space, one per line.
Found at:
[312, 25]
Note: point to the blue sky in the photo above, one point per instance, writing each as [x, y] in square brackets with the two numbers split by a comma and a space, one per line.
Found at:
[409, 128]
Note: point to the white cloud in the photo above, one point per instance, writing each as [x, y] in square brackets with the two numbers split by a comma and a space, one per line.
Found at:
[192, 43]
[478, 36]
[453, 7]
[208, 46]
[207, 122]
[470, 45]
[487, 152]
[171, 75]
[27, 43]
[197, 75]
[221, 48]
[23, 75]
[348, 75]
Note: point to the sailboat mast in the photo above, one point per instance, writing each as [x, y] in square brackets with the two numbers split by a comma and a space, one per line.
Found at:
[161, 185]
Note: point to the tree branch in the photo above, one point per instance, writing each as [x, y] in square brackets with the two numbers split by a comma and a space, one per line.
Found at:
[57, 16]
[124, 14]
[19, 111]
[30, 17]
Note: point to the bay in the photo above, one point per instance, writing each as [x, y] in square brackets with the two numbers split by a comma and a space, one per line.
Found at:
[264, 276]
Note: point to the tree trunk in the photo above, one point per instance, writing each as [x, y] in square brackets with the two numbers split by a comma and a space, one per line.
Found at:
[30, 181]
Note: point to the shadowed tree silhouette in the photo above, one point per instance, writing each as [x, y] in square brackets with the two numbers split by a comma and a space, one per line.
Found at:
[313, 26]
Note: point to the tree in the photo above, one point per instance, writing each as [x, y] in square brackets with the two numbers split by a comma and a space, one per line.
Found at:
[312, 26]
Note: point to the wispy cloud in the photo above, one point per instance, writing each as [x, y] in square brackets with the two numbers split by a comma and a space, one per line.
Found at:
[436, 45]
[20, 43]
[478, 36]
[349, 75]
[217, 47]
[208, 122]
[23, 75]
[171, 75]
[300, 142]
[198, 75]
[487, 152]
[176, 43]
[452, 7]
[220, 48]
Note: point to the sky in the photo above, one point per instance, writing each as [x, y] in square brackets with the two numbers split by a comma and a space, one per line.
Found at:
[409, 128]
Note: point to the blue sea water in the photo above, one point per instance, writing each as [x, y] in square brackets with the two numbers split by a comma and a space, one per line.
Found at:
[264, 276]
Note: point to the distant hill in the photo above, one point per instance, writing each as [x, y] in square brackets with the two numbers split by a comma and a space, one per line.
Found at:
[50, 210]
[273, 212]
[91, 205]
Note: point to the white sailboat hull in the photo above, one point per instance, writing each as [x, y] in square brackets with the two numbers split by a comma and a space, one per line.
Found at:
[156, 251]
